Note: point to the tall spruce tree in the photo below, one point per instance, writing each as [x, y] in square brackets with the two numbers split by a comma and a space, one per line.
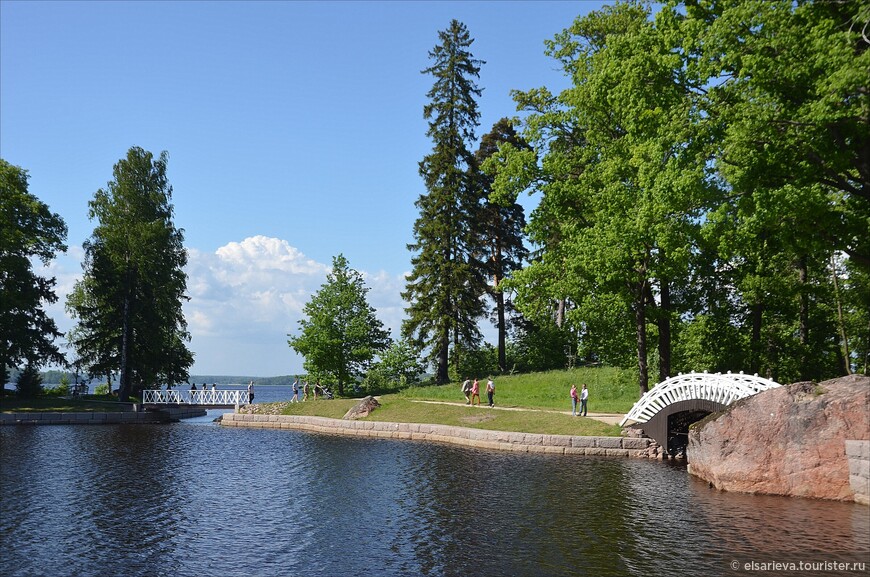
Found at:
[28, 230]
[448, 279]
[128, 303]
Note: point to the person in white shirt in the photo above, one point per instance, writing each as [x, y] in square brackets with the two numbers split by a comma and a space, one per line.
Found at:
[584, 395]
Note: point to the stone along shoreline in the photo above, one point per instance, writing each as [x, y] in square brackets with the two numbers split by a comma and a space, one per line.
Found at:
[464, 436]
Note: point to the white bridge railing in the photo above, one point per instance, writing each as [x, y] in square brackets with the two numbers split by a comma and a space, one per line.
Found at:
[218, 397]
[720, 388]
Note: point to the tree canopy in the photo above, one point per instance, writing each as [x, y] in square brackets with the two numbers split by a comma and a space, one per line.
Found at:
[704, 186]
[341, 334]
[28, 231]
[128, 303]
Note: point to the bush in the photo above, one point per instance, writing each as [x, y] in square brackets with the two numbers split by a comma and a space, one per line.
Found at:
[62, 390]
[398, 368]
[102, 389]
[29, 383]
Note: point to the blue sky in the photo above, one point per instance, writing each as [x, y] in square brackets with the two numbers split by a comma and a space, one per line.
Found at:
[294, 132]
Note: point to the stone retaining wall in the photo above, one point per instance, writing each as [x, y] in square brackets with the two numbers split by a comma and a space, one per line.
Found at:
[176, 413]
[479, 438]
[858, 454]
[98, 418]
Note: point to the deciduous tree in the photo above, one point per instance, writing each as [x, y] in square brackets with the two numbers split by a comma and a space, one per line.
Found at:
[129, 301]
[341, 334]
[28, 230]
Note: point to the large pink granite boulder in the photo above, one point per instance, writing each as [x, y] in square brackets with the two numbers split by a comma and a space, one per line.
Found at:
[785, 441]
[362, 409]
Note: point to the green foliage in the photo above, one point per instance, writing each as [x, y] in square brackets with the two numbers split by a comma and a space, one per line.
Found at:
[28, 231]
[447, 280]
[700, 179]
[539, 348]
[102, 389]
[341, 334]
[61, 390]
[620, 176]
[476, 362]
[399, 367]
[128, 303]
[29, 384]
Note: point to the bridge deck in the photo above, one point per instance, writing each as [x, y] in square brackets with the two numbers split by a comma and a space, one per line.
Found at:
[226, 398]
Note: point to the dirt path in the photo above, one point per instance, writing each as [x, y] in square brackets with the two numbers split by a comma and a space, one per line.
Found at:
[609, 418]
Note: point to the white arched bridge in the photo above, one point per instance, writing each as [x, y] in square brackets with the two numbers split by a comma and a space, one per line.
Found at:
[665, 412]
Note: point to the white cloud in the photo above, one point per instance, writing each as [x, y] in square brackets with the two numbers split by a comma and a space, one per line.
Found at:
[245, 297]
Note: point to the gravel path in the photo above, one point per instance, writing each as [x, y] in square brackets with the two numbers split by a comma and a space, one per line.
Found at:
[609, 418]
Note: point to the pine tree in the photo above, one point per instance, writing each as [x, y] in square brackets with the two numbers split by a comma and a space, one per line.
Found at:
[448, 280]
[503, 224]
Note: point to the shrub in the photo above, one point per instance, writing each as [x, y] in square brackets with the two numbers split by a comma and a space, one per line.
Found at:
[62, 390]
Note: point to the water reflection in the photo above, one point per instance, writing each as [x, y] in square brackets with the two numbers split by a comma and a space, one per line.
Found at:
[193, 499]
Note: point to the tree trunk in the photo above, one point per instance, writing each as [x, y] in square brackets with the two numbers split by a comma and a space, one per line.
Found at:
[665, 330]
[844, 339]
[125, 385]
[502, 329]
[756, 311]
[640, 322]
[442, 375]
[803, 318]
[867, 352]
[560, 313]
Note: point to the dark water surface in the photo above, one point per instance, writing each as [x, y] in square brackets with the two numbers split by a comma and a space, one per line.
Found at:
[196, 499]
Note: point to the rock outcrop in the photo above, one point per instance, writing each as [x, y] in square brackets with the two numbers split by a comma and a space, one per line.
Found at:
[362, 409]
[785, 441]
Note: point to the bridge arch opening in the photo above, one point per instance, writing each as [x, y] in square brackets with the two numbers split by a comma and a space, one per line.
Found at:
[670, 426]
[678, 430]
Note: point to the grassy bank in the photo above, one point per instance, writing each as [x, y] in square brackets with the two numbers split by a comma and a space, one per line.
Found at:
[611, 390]
[88, 403]
[544, 398]
[399, 409]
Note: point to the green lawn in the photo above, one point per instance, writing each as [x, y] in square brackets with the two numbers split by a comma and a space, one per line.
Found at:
[97, 403]
[544, 396]
[399, 409]
[611, 390]
[334, 409]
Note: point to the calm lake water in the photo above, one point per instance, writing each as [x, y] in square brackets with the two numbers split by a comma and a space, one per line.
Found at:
[194, 498]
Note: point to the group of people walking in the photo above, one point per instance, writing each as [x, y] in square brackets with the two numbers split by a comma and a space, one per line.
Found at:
[205, 397]
[306, 388]
[472, 391]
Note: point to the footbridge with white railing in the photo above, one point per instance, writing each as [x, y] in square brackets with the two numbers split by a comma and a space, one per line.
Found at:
[665, 412]
[223, 398]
